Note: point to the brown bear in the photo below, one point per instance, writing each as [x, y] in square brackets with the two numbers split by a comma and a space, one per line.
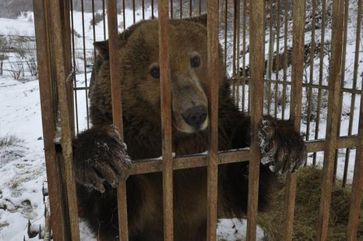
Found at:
[101, 159]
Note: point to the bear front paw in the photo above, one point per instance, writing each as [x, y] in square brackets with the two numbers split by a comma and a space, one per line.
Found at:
[282, 148]
[100, 158]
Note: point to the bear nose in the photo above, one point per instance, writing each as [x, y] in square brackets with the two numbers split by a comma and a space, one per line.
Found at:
[195, 116]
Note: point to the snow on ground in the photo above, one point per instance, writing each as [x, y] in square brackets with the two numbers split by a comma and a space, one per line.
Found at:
[22, 177]
[23, 25]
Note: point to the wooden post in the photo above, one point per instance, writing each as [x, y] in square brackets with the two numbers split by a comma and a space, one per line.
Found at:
[333, 117]
[257, 33]
[357, 187]
[166, 120]
[213, 75]
[297, 77]
[116, 87]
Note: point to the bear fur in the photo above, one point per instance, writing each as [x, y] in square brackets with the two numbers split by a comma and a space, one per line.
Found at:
[101, 159]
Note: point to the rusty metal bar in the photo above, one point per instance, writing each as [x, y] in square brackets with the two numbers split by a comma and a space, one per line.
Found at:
[355, 77]
[104, 19]
[58, 225]
[296, 98]
[257, 15]
[225, 32]
[333, 112]
[85, 61]
[93, 26]
[268, 87]
[321, 64]
[152, 9]
[237, 53]
[65, 121]
[340, 107]
[284, 84]
[357, 194]
[117, 108]
[277, 27]
[200, 7]
[171, 9]
[124, 14]
[133, 12]
[74, 66]
[311, 74]
[244, 27]
[214, 76]
[166, 120]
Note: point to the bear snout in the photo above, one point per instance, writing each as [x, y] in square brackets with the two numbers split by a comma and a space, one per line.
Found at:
[195, 116]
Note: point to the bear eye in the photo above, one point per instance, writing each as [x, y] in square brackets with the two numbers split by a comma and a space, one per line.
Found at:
[195, 61]
[155, 71]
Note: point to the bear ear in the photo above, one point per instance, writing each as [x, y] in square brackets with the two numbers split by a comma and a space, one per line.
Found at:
[202, 19]
[102, 48]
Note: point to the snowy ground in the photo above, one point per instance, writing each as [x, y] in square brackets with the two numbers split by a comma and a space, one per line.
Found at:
[22, 169]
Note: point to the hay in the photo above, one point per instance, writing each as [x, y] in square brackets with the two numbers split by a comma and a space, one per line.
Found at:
[307, 210]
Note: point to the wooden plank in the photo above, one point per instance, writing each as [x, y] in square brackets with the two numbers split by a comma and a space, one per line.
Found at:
[296, 97]
[187, 162]
[357, 190]
[257, 33]
[65, 117]
[116, 90]
[166, 120]
[214, 77]
[333, 116]
[42, 29]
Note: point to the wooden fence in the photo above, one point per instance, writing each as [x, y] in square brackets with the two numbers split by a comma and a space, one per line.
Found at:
[58, 88]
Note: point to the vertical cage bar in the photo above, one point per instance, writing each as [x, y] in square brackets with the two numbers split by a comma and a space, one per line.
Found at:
[257, 14]
[344, 43]
[152, 9]
[268, 67]
[309, 88]
[321, 64]
[58, 223]
[103, 18]
[166, 119]
[285, 62]
[124, 14]
[171, 9]
[213, 75]
[74, 67]
[225, 32]
[244, 76]
[277, 60]
[93, 26]
[357, 194]
[85, 60]
[237, 53]
[65, 121]
[67, 53]
[354, 87]
[296, 97]
[333, 116]
[117, 109]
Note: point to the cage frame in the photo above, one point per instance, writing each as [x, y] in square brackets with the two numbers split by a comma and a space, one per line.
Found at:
[55, 74]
